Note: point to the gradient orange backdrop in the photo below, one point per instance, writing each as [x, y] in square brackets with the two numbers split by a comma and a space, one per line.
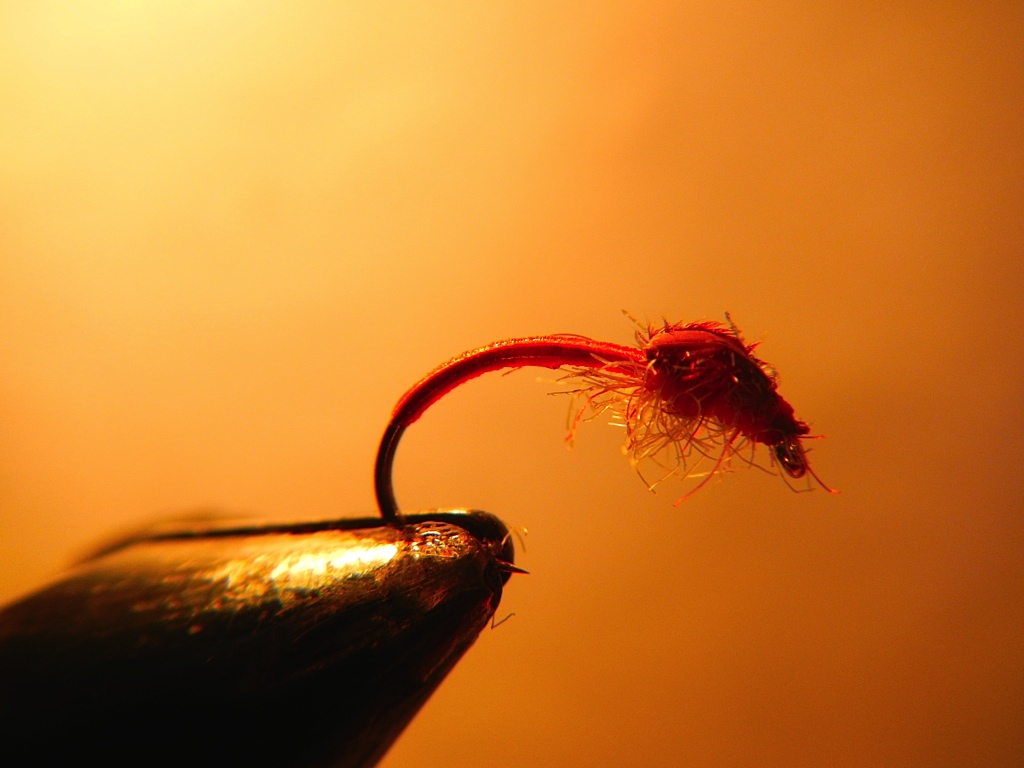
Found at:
[232, 234]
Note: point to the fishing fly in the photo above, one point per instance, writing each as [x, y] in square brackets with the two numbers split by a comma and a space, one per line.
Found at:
[688, 394]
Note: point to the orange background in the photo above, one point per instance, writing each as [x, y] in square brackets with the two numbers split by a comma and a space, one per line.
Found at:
[232, 234]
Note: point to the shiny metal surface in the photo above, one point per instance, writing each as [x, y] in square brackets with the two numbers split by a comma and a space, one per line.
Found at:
[308, 644]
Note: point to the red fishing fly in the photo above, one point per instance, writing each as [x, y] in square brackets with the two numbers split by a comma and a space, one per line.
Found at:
[686, 394]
